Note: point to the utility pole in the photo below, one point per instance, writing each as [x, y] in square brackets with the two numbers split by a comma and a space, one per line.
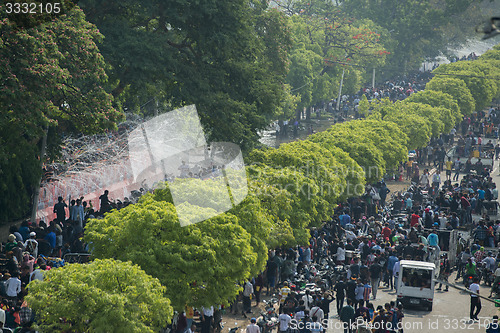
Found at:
[373, 79]
[340, 89]
[37, 189]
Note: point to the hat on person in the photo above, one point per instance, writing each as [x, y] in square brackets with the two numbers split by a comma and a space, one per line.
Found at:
[427, 210]
[12, 237]
[32, 234]
[253, 320]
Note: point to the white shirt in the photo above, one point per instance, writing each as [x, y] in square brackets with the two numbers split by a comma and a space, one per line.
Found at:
[340, 254]
[248, 290]
[284, 320]
[34, 246]
[318, 312]
[253, 328]
[299, 315]
[208, 312]
[37, 275]
[395, 269]
[13, 286]
[497, 272]
[2, 316]
[436, 178]
[424, 179]
[308, 301]
[474, 288]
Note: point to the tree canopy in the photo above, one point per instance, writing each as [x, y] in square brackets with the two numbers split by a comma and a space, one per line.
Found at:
[455, 88]
[200, 264]
[101, 296]
[52, 77]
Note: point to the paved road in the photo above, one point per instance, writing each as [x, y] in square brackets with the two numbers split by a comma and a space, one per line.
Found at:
[450, 312]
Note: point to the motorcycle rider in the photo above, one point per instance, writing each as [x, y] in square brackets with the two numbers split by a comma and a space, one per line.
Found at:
[489, 263]
[470, 269]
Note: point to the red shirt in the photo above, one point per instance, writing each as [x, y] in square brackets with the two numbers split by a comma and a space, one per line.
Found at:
[386, 232]
[414, 219]
[465, 203]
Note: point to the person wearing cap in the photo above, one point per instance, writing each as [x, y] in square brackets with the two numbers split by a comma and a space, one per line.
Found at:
[31, 244]
[252, 327]
[11, 243]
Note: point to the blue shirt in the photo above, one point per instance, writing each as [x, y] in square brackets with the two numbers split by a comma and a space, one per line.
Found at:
[51, 238]
[390, 262]
[344, 220]
[480, 194]
[432, 240]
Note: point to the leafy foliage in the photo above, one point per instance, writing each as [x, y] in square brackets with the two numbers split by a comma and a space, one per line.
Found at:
[199, 264]
[455, 88]
[227, 57]
[475, 75]
[102, 296]
[52, 78]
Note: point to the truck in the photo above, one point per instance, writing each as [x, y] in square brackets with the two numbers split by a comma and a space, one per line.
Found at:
[415, 285]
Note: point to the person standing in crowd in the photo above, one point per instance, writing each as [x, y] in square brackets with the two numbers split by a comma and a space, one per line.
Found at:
[60, 210]
[475, 301]
[339, 289]
[444, 271]
[252, 327]
[247, 294]
[375, 276]
[207, 315]
[347, 317]
[284, 320]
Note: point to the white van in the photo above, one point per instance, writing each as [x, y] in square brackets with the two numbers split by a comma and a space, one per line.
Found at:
[416, 283]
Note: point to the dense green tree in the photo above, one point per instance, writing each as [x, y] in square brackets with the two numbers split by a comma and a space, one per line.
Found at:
[359, 147]
[437, 98]
[227, 57]
[101, 296]
[293, 201]
[478, 76]
[389, 139]
[431, 114]
[417, 128]
[422, 29]
[199, 264]
[52, 78]
[455, 88]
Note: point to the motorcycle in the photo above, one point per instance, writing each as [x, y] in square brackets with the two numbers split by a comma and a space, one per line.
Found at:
[234, 329]
[267, 323]
[269, 319]
[468, 280]
[488, 276]
[496, 289]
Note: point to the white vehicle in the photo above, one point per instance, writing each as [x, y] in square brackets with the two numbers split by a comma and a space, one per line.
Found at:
[415, 284]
